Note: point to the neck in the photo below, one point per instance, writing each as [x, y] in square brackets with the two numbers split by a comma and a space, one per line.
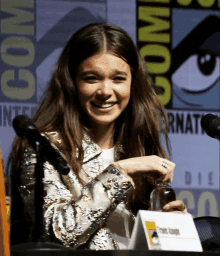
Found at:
[103, 135]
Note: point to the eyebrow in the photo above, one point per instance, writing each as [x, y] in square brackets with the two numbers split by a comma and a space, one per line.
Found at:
[94, 72]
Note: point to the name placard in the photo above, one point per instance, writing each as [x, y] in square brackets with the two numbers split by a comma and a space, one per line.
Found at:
[165, 231]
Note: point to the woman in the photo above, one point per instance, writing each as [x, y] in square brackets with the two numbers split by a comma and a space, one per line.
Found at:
[100, 112]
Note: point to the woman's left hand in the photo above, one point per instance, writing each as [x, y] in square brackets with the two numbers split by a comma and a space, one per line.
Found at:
[176, 207]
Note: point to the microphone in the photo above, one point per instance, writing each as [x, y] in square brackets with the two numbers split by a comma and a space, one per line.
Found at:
[211, 125]
[26, 129]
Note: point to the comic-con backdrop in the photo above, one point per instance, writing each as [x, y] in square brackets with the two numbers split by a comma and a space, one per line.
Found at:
[179, 39]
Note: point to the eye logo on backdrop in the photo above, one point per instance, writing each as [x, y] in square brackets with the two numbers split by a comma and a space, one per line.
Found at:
[196, 63]
[180, 41]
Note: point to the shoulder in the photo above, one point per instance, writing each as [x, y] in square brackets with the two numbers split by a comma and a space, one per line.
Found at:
[29, 155]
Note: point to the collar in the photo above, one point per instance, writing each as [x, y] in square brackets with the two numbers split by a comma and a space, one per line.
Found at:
[90, 148]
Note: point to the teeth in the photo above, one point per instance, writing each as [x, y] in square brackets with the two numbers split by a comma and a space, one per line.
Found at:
[104, 105]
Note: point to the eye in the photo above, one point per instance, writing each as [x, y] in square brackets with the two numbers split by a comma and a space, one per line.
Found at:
[90, 78]
[119, 78]
[206, 63]
[198, 72]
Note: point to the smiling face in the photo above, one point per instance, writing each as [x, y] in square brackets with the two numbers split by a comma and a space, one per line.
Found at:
[104, 83]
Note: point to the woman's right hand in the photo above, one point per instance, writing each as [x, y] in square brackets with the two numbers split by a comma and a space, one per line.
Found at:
[148, 165]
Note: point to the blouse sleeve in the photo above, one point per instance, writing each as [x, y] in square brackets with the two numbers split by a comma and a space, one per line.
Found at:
[73, 212]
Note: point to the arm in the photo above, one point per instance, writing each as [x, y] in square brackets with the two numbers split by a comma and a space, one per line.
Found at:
[151, 166]
[71, 218]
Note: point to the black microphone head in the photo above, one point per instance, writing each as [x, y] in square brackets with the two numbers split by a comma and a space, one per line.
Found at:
[210, 124]
[22, 124]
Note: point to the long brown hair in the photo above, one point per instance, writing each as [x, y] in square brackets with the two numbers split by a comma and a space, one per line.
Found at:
[138, 128]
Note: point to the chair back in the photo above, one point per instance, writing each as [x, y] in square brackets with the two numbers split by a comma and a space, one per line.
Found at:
[209, 232]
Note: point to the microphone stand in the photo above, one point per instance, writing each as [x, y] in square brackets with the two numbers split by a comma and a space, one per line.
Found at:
[39, 244]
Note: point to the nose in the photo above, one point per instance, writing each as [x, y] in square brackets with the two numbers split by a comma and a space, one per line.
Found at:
[105, 90]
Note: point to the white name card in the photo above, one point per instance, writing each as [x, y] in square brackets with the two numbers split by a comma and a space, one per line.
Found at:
[165, 231]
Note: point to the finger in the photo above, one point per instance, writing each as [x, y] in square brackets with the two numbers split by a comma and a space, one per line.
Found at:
[170, 168]
[168, 162]
[168, 177]
[171, 179]
[159, 172]
[175, 205]
[164, 168]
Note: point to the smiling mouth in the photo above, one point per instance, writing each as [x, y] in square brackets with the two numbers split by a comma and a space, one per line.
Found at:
[104, 105]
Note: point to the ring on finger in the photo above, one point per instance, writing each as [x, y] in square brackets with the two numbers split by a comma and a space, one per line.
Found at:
[164, 164]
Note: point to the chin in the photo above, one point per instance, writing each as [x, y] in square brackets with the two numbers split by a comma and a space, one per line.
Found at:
[104, 122]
